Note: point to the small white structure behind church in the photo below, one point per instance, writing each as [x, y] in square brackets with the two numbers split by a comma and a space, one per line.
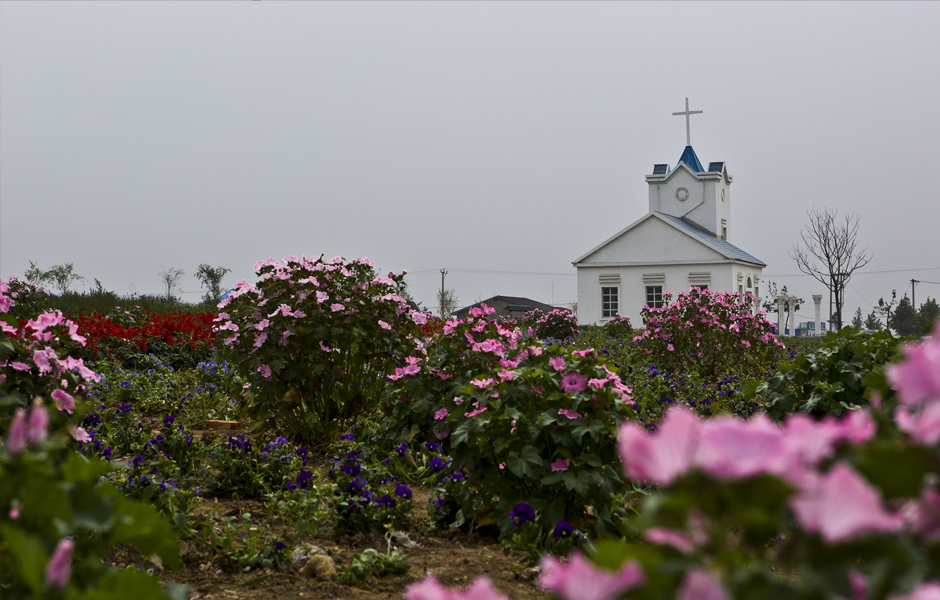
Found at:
[682, 242]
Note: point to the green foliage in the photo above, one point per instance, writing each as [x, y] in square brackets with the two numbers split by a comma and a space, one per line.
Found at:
[830, 380]
[372, 563]
[315, 341]
[59, 276]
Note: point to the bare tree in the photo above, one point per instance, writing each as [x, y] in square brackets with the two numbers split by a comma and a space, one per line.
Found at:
[171, 279]
[830, 254]
[60, 276]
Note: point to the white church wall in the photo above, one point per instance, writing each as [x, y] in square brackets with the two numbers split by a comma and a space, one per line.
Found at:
[721, 277]
[652, 241]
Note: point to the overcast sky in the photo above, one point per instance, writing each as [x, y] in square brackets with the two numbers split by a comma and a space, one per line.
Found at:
[480, 137]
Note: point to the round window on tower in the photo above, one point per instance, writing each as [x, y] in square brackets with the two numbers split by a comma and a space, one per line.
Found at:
[682, 194]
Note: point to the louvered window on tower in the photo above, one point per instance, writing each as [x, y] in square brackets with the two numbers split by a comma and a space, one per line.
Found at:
[715, 167]
[660, 169]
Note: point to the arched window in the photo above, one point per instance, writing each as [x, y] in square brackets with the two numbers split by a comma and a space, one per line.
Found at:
[748, 283]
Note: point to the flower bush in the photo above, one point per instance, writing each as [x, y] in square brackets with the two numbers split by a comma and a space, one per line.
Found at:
[710, 332]
[315, 340]
[27, 300]
[57, 518]
[558, 324]
[619, 327]
[523, 423]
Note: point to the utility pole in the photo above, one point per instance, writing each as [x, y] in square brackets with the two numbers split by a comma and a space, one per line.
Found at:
[443, 273]
[913, 302]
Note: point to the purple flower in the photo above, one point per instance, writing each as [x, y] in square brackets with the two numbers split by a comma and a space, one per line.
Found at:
[403, 491]
[437, 463]
[347, 436]
[168, 420]
[356, 485]
[303, 479]
[563, 530]
[351, 469]
[521, 514]
[386, 501]
[279, 545]
[432, 446]
[400, 450]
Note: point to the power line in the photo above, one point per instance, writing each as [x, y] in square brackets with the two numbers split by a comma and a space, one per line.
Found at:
[492, 272]
[861, 272]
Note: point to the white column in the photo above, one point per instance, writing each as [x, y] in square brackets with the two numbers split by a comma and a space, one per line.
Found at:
[779, 315]
[791, 301]
[817, 298]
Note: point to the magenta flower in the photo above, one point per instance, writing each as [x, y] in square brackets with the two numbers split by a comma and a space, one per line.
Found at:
[597, 383]
[431, 589]
[63, 401]
[560, 465]
[567, 412]
[925, 591]
[60, 565]
[16, 435]
[79, 434]
[573, 382]
[925, 427]
[841, 506]
[384, 325]
[664, 456]
[731, 448]
[418, 317]
[265, 371]
[474, 413]
[699, 584]
[670, 537]
[918, 376]
[557, 363]
[336, 307]
[440, 414]
[578, 579]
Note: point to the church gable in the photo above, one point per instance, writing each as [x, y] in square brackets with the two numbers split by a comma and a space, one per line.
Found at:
[649, 241]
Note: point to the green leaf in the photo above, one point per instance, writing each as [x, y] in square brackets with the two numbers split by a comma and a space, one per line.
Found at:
[29, 554]
[899, 471]
[127, 583]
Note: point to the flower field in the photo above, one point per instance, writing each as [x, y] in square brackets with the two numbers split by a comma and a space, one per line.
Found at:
[321, 437]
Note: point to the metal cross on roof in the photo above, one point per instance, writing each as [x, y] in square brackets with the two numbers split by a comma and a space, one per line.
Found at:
[687, 112]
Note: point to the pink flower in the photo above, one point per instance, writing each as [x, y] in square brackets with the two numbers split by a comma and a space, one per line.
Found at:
[440, 414]
[585, 353]
[431, 589]
[322, 297]
[507, 375]
[925, 591]
[557, 363]
[418, 317]
[442, 434]
[699, 584]
[567, 412]
[597, 383]
[63, 401]
[336, 307]
[384, 325]
[560, 465]
[474, 413]
[670, 347]
[60, 567]
[841, 506]
[14, 513]
[578, 579]
[670, 537]
[482, 383]
[573, 382]
[918, 376]
[925, 427]
[458, 400]
[16, 435]
[260, 338]
[731, 448]
[37, 424]
[265, 371]
[79, 434]
[664, 456]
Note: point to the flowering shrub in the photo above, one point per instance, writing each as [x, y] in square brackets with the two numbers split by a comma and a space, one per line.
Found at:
[28, 299]
[57, 519]
[558, 324]
[619, 327]
[315, 340]
[523, 423]
[710, 332]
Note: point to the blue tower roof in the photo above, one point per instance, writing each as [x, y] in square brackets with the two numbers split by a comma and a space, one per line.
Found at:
[689, 158]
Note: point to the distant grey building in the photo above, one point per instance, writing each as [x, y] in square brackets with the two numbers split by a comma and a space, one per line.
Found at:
[507, 306]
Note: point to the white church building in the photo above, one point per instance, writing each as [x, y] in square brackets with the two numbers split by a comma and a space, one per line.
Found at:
[680, 243]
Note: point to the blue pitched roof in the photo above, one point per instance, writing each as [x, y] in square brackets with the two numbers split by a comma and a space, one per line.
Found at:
[717, 244]
[689, 158]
